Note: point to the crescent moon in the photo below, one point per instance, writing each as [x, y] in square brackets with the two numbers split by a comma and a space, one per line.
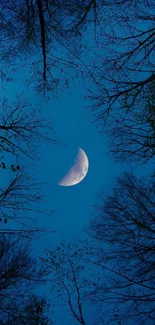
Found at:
[78, 171]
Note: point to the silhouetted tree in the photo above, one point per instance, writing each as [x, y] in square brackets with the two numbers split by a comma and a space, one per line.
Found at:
[32, 312]
[123, 63]
[71, 281]
[39, 27]
[20, 203]
[54, 30]
[124, 227]
[132, 134]
[19, 275]
[22, 128]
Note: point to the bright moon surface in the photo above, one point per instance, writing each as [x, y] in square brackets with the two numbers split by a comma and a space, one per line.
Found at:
[79, 170]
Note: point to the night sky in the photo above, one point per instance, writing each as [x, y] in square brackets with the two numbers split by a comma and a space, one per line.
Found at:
[73, 127]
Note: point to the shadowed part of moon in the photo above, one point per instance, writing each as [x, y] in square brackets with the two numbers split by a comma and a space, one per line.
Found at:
[77, 173]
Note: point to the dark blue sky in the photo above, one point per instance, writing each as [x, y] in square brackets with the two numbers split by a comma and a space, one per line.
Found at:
[72, 123]
[73, 204]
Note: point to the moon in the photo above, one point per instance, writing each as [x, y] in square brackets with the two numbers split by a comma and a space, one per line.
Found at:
[77, 172]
